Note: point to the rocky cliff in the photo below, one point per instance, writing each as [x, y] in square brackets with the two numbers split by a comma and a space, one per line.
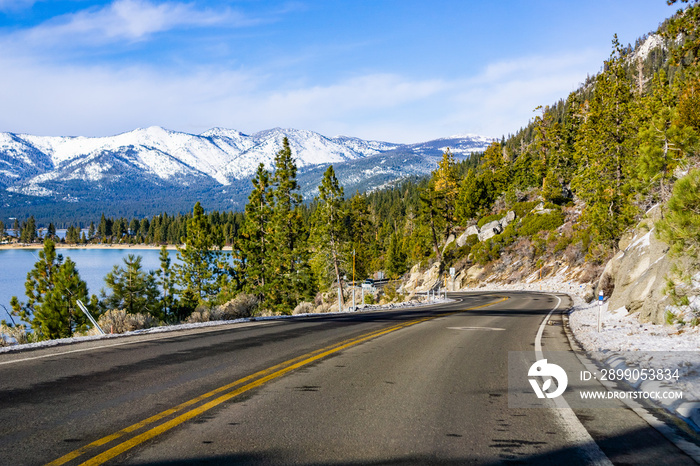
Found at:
[635, 278]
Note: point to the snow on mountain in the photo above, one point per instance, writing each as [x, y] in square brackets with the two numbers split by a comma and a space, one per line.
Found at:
[221, 154]
[215, 165]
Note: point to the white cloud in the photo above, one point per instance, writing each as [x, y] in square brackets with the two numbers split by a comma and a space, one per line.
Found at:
[125, 20]
[15, 5]
[52, 99]
[503, 97]
[365, 93]
[48, 100]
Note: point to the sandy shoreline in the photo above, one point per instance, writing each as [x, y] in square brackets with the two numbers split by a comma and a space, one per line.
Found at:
[170, 247]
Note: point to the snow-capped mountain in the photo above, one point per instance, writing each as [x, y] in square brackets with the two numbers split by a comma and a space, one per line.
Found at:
[224, 155]
[150, 166]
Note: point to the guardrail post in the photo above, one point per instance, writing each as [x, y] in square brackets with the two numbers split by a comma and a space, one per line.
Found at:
[89, 316]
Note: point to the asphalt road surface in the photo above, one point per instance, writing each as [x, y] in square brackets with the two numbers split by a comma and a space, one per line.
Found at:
[425, 385]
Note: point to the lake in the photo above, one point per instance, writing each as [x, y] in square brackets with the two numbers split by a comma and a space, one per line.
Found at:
[92, 264]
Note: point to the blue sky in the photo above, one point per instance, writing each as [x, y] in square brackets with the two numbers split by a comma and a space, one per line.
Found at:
[392, 70]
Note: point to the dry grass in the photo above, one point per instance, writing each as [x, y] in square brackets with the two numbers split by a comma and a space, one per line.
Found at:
[119, 321]
[12, 335]
[240, 307]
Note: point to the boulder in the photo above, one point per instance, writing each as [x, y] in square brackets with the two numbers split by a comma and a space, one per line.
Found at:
[490, 230]
[507, 220]
[420, 281]
[637, 277]
[539, 209]
[474, 275]
[449, 241]
[415, 279]
[472, 230]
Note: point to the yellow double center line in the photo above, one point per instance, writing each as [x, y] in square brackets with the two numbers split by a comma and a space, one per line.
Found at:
[246, 383]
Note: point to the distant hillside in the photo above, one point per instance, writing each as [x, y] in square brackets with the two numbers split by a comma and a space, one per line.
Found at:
[151, 170]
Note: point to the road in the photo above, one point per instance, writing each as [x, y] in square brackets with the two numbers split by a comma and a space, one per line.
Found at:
[425, 385]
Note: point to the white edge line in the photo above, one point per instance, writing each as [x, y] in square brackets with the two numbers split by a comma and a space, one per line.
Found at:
[689, 448]
[168, 333]
[572, 423]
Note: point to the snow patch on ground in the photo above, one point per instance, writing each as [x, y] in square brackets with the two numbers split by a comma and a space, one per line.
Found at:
[649, 345]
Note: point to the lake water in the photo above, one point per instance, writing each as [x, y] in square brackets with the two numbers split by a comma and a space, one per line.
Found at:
[92, 265]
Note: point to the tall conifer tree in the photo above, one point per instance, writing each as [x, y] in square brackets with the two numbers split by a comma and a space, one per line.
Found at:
[604, 150]
[201, 270]
[254, 243]
[361, 235]
[446, 186]
[329, 233]
[53, 288]
[290, 254]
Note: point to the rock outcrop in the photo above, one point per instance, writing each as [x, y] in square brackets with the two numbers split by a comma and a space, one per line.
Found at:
[472, 230]
[419, 281]
[637, 274]
[490, 230]
[487, 231]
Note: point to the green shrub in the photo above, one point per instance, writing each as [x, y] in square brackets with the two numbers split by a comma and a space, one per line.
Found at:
[534, 223]
[454, 253]
[521, 209]
[563, 243]
[481, 253]
[242, 306]
[119, 321]
[471, 240]
[680, 227]
[390, 292]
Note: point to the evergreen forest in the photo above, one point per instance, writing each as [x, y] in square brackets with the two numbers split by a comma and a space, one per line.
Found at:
[578, 176]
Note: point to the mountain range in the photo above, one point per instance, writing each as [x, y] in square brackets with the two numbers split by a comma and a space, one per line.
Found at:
[153, 170]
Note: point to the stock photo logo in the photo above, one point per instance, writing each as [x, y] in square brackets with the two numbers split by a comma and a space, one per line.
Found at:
[547, 372]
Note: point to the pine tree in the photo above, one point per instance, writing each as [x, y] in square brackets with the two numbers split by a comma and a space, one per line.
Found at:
[689, 104]
[361, 234]
[548, 145]
[144, 227]
[604, 151]
[685, 24]
[395, 259]
[28, 233]
[254, 243]
[446, 186]
[292, 274]
[474, 197]
[72, 235]
[430, 213]
[681, 226]
[53, 288]
[663, 140]
[104, 228]
[166, 281]
[132, 289]
[329, 234]
[202, 265]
